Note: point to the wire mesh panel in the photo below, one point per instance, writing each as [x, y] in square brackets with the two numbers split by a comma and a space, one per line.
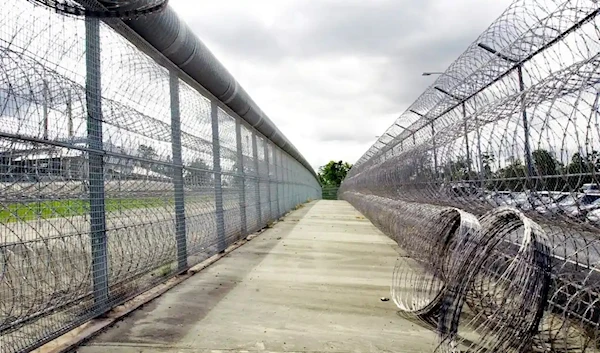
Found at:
[279, 179]
[272, 181]
[263, 181]
[330, 193]
[229, 180]
[508, 134]
[116, 171]
[45, 224]
[286, 182]
[251, 180]
[198, 177]
[136, 114]
[292, 187]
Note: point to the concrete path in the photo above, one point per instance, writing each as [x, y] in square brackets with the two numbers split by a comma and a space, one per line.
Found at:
[312, 283]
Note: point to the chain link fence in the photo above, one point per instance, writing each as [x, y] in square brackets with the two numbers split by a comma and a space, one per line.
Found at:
[489, 184]
[330, 192]
[117, 171]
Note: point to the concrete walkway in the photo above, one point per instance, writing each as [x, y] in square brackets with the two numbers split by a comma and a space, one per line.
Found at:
[312, 283]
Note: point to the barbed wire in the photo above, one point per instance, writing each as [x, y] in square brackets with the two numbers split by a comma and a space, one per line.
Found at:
[125, 9]
[496, 165]
[116, 171]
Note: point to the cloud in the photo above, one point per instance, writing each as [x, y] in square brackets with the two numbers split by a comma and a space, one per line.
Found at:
[333, 74]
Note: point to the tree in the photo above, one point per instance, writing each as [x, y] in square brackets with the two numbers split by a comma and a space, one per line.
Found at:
[544, 161]
[333, 173]
[547, 167]
[512, 177]
[164, 169]
[146, 152]
[582, 169]
[198, 173]
[456, 170]
[424, 167]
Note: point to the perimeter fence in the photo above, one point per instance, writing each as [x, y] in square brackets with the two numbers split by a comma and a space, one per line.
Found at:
[489, 183]
[118, 169]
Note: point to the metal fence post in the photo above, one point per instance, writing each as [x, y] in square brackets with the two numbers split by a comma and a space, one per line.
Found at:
[267, 163]
[466, 131]
[528, 159]
[294, 200]
[283, 185]
[45, 96]
[214, 114]
[180, 228]
[242, 176]
[290, 189]
[256, 166]
[93, 97]
[292, 179]
[276, 161]
[435, 160]
[282, 180]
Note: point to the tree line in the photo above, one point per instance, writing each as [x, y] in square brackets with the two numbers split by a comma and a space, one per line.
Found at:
[333, 173]
[548, 172]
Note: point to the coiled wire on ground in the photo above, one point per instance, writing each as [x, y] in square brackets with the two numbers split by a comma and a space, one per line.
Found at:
[483, 282]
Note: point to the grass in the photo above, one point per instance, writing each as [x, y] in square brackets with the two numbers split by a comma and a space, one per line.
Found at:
[27, 211]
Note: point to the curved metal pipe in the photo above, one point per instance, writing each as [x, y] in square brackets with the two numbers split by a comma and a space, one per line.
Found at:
[168, 34]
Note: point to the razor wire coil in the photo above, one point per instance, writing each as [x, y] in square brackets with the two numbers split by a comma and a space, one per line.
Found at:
[509, 133]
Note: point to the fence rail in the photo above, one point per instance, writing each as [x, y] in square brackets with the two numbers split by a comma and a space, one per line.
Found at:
[489, 183]
[117, 171]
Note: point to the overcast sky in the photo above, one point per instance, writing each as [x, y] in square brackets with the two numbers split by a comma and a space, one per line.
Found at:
[333, 74]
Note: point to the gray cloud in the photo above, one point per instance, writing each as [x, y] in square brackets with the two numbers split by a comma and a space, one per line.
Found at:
[247, 38]
[357, 28]
[336, 135]
[402, 80]
[339, 71]
[399, 32]
[317, 29]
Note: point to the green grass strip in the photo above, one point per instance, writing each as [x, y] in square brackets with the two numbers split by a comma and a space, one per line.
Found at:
[27, 211]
